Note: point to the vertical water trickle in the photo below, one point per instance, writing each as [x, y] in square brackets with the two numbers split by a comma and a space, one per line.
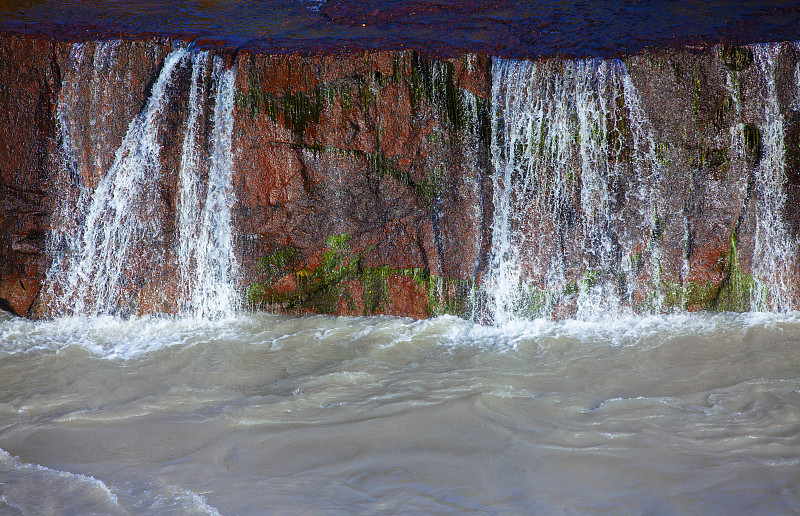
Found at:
[206, 243]
[63, 241]
[774, 251]
[191, 183]
[573, 189]
[118, 212]
[116, 232]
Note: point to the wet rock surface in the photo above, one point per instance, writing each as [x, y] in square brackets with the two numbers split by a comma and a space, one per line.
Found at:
[363, 181]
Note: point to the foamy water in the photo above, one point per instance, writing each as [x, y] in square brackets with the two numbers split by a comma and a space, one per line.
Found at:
[258, 413]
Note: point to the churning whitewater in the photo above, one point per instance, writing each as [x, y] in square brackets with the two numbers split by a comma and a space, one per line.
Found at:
[678, 414]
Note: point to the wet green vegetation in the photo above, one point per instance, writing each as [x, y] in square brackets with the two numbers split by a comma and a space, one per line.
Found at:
[753, 143]
[735, 292]
[704, 148]
[429, 84]
[735, 58]
[342, 279]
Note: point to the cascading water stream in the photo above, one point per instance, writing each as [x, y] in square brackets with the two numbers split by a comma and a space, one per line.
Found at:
[117, 229]
[210, 249]
[189, 213]
[565, 139]
[577, 206]
[775, 253]
[118, 211]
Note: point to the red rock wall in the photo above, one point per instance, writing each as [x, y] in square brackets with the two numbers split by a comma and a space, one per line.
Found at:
[29, 86]
[363, 180]
[380, 147]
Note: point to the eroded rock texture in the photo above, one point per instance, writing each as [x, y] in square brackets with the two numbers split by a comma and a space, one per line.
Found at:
[29, 85]
[386, 149]
[365, 183]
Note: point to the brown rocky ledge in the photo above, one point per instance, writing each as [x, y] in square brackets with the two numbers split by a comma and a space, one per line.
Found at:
[363, 181]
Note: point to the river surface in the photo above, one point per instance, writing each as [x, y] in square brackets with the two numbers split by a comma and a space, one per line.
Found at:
[510, 28]
[258, 413]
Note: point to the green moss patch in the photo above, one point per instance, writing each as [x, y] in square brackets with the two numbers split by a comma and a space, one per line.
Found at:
[334, 282]
[735, 292]
[735, 58]
[753, 143]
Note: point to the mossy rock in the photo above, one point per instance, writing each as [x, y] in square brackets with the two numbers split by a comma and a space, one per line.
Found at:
[735, 292]
[753, 142]
[325, 288]
[735, 58]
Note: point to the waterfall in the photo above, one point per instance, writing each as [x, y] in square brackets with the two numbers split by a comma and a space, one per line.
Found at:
[207, 263]
[775, 252]
[579, 214]
[566, 138]
[119, 234]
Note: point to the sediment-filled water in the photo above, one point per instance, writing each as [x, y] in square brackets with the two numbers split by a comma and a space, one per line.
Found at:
[680, 414]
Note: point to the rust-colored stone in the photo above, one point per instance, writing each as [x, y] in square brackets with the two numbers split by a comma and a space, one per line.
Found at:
[378, 146]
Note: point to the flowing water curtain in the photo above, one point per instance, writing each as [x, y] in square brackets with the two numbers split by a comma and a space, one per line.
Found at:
[106, 232]
[775, 253]
[76, 102]
[565, 137]
[63, 240]
[214, 293]
[116, 215]
[191, 181]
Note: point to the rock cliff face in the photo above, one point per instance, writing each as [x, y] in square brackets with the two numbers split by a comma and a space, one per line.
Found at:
[359, 179]
[28, 95]
[664, 181]
[392, 182]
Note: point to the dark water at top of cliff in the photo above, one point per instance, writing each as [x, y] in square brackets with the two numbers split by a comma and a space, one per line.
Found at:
[509, 28]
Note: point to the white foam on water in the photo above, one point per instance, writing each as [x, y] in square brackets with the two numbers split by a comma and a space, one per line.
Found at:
[167, 499]
[109, 337]
[114, 338]
[621, 331]
[315, 5]
[35, 489]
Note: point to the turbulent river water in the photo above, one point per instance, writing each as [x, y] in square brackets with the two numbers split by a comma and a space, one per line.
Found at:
[258, 413]
[512, 28]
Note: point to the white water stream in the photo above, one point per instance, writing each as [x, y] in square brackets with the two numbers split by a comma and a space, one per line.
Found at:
[563, 135]
[775, 253]
[208, 268]
[116, 227]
